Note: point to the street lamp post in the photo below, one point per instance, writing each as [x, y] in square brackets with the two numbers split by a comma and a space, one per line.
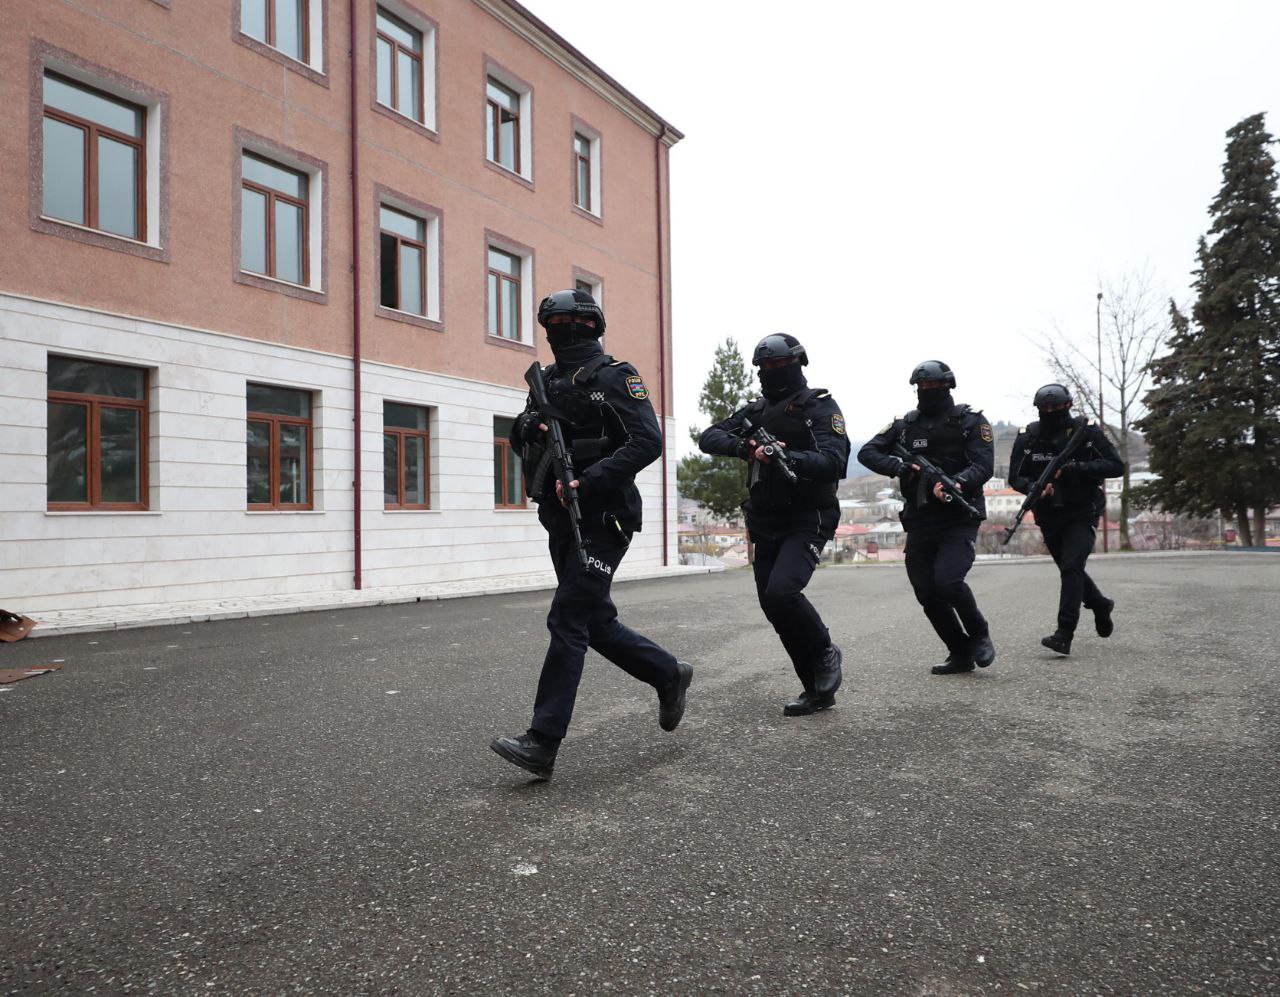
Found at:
[1102, 420]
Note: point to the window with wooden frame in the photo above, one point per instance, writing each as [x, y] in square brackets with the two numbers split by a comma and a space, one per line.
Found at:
[406, 456]
[274, 239]
[502, 126]
[508, 489]
[402, 261]
[279, 439]
[95, 159]
[504, 294]
[97, 436]
[400, 66]
[282, 24]
[582, 172]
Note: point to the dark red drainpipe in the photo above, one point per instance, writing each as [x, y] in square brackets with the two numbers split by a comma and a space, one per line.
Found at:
[662, 337]
[355, 289]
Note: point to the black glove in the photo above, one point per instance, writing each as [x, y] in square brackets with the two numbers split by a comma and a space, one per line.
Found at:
[904, 468]
[744, 450]
[529, 431]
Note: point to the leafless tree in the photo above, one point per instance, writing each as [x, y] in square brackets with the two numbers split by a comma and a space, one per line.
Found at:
[1134, 325]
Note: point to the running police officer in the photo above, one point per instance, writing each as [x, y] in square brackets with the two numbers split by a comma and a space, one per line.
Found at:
[603, 406]
[1068, 509]
[941, 532]
[791, 508]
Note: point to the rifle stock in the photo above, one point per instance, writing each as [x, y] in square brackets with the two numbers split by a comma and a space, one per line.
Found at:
[561, 455]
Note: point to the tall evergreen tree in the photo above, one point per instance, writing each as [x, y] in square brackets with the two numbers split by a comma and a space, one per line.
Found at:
[1213, 417]
[717, 482]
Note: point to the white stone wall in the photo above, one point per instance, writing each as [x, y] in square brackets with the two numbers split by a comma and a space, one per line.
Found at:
[197, 541]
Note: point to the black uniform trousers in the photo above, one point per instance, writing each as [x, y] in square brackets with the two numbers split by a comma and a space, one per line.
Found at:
[784, 563]
[582, 615]
[1070, 540]
[938, 557]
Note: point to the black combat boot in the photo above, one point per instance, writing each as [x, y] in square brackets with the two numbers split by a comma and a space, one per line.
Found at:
[956, 663]
[827, 675]
[671, 699]
[807, 703]
[1059, 641]
[532, 751]
[982, 650]
[1102, 619]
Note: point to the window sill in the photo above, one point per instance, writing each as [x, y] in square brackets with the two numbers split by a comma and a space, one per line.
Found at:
[411, 512]
[511, 508]
[408, 318]
[510, 344]
[284, 512]
[413, 124]
[99, 237]
[590, 216]
[265, 283]
[289, 62]
[519, 178]
[103, 512]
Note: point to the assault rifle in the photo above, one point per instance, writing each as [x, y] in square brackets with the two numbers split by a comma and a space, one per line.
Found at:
[561, 455]
[773, 448]
[1047, 476]
[951, 490]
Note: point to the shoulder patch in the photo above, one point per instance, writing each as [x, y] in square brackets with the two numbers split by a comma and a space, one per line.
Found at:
[636, 388]
[985, 432]
[837, 423]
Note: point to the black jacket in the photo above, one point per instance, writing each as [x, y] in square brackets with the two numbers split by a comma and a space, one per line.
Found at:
[1079, 490]
[959, 441]
[612, 430]
[811, 425]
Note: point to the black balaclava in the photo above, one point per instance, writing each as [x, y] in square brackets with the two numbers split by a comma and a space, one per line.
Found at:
[570, 346]
[779, 382]
[1054, 422]
[933, 401]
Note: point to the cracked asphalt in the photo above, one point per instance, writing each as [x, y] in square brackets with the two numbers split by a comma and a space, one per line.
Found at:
[307, 804]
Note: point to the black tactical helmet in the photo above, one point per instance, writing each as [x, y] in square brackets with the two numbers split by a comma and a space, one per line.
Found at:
[1052, 394]
[933, 370]
[779, 346]
[579, 304]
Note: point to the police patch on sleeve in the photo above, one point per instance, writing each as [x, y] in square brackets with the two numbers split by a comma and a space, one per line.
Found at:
[985, 432]
[636, 388]
[837, 423]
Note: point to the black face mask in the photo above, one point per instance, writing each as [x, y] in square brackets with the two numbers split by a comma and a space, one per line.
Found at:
[569, 348]
[1055, 421]
[778, 383]
[933, 401]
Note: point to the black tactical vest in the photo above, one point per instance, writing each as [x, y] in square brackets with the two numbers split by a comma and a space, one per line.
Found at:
[586, 429]
[790, 422]
[939, 437]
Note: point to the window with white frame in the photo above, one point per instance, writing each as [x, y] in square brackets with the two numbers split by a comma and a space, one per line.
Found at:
[279, 238]
[586, 170]
[508, 117]
[405, 57]
[509, 294]
[293, 28]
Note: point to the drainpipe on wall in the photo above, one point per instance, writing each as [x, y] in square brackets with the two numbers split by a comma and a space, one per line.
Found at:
[662, 337]
[355, 293]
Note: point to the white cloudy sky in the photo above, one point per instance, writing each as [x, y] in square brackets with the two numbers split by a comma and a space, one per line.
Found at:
[894, 182]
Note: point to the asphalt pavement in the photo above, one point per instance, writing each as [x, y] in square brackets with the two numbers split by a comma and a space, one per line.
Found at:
[308, 804]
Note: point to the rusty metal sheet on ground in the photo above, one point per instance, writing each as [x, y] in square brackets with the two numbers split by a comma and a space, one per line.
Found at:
[14, 626]
[8, 675]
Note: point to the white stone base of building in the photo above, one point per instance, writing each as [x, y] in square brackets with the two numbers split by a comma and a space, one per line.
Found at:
[197, 541]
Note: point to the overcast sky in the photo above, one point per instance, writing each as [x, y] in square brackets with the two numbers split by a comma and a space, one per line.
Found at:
[896, 182]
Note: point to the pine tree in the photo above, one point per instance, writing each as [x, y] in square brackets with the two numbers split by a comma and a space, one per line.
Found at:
[1213, 417]
[717, 482]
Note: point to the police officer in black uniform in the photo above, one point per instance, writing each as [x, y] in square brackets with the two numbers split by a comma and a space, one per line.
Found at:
[941, 534]
[790, 517]
[604, 408]
[1068, 509]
